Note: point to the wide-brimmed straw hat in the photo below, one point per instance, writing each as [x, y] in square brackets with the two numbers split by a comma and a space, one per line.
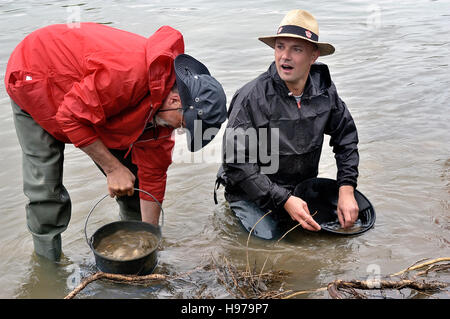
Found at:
[302, 25]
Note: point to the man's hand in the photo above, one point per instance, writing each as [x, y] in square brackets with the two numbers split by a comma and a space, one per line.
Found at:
[298, 210]
[347, 208]
[119, 178]
[120, 181]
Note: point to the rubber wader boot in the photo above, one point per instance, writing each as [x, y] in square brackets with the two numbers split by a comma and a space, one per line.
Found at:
[49, 207]
[49, 249]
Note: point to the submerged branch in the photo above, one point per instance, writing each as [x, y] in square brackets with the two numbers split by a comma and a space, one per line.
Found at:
[430, 262]
[350, 286]
[114, 277]
[125, 279]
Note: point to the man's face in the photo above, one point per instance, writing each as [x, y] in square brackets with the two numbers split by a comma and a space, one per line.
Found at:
[293, 58]
[170, 114]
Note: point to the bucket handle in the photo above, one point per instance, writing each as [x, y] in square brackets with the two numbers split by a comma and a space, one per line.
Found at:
[98, 202]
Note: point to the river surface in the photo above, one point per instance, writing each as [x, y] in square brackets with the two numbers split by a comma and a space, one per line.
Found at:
[391, 67]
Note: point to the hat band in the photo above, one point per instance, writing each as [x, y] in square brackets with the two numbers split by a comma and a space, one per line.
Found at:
[295, 29]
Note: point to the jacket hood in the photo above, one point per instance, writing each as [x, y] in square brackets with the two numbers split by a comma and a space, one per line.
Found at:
[319, 79]
[161, 50]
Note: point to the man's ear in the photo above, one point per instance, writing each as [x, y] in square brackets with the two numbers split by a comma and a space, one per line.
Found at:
[175, 99]
[315, 55]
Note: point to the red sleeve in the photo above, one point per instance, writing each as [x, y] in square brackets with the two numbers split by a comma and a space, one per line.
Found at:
[80, 111]
[114, 82]
[153, 158]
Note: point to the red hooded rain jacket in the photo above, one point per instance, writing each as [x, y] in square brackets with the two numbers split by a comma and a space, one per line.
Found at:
[98, 82]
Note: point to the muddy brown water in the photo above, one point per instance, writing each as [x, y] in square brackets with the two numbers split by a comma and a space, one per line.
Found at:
[391, 68]
[127, 245]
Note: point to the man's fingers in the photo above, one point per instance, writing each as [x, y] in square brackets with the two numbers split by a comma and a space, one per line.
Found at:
[309, 224]
[298, 210]
[115, 191]
[350, 218]
[310, 220]
[313, 224]
[120, 182]
[341, 218]
[305, 207]
[125, 191]
[304, 224]
[346, 218]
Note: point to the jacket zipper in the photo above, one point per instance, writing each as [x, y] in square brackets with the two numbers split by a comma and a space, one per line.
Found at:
[131, 146]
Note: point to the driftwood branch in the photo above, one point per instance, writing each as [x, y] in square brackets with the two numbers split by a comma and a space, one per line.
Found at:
[415, 267]
[335, 286]
[117, 278]
[127, 279]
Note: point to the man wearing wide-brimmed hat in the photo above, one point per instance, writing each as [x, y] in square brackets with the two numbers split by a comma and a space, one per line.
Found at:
[298, 99]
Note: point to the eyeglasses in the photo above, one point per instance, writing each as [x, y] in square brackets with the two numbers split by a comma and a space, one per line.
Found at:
[174, 109]
[179, 109]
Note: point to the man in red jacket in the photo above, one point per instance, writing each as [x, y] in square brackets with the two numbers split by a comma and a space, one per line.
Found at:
[115, 95]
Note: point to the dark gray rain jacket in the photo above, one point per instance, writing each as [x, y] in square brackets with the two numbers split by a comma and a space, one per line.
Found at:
[265, 104]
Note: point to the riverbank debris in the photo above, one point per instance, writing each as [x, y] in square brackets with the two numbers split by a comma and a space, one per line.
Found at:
[253, 284]
[247, 285]
[339, 288]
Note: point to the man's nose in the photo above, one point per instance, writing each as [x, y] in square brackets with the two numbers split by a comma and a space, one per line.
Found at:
[285, 55]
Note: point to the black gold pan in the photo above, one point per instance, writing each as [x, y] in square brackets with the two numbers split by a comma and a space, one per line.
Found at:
[321, 195]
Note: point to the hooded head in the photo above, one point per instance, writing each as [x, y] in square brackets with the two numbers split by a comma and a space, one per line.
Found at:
[203, 101]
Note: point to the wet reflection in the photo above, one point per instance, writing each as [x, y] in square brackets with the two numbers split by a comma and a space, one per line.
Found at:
[45, 279]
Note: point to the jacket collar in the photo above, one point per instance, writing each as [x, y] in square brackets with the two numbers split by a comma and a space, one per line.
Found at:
[318, 81]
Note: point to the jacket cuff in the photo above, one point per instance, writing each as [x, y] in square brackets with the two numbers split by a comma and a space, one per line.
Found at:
[280, 195]
[346, 182]
[79, 135]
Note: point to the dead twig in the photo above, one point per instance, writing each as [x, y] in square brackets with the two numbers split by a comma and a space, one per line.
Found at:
[250, 233]
[234, 278]
[435, 268]
[246, 284]
[411, 268]
[223, 280]
[304, 292]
